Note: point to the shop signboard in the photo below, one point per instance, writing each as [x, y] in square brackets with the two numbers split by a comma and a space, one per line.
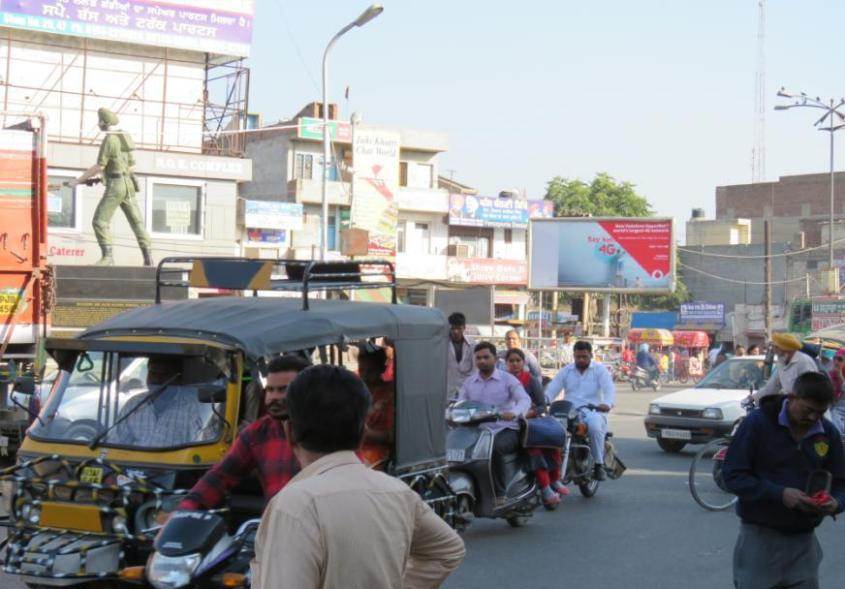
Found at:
[311, 128]
[221, 27]
[701, 312]
[827, 312]
[268, 214]
[276, 237]
[634, 255]
[490, 211]
[487, 271]
[375, 159]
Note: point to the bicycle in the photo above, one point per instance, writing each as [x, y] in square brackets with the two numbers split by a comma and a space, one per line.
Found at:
[705, 474]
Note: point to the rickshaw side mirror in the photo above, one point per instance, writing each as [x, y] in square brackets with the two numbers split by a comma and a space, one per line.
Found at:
[211, 393]
[24, 386]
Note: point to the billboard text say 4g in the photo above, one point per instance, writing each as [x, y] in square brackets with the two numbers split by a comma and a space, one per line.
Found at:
[603, 254]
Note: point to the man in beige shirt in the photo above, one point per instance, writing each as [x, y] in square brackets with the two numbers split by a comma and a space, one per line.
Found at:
[338, 524]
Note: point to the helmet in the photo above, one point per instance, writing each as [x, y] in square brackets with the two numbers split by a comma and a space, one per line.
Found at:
[643, 348]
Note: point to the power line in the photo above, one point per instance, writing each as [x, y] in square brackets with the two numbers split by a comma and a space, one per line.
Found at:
[296, 45]
[747, 282]
[757, 256]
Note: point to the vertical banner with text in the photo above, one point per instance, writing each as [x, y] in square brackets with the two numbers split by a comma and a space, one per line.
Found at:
[375, 159]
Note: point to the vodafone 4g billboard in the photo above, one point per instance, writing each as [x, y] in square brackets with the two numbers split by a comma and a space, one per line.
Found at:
[603, 254]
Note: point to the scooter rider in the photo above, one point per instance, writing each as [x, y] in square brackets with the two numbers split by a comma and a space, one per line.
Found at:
[646, 362]
[496, 387]
[586, 382]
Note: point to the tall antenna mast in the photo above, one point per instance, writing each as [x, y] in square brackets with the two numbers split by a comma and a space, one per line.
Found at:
[758, 150]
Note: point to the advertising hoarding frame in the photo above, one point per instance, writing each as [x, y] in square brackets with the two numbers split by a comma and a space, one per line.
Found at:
[594, 289]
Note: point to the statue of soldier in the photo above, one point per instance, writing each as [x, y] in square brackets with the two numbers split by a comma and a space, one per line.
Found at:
[114, 165]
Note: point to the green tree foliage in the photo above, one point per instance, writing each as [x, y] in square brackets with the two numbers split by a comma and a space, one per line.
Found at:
[605, 196]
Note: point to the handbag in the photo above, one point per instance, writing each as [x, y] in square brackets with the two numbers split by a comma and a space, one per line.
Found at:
[543, 432]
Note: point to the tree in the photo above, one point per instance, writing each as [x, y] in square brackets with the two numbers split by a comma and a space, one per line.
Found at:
[607, 197]
[603, 197]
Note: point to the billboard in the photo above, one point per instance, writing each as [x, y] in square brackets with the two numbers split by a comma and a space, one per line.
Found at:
[487, 211]
[222, 27]
[375, 159]
[487, 271]
[602, 255]
[269, 214]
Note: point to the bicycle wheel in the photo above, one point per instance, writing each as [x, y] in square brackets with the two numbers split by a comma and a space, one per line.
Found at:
[705, 477]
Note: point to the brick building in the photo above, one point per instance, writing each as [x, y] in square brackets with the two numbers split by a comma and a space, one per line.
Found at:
[797, 206]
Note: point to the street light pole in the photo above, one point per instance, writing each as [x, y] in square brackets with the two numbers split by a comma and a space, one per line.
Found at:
[366, 16]
[837, 121]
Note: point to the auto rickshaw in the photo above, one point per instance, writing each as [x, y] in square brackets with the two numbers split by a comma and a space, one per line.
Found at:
[90, 487]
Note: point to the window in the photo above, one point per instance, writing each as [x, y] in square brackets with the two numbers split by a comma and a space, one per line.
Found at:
[61, 203]
[403, 173]
[400, 237]
[420, 175]
[477, 239]
[304, 166]
[508, 235]
[421, 240]
[175, 209]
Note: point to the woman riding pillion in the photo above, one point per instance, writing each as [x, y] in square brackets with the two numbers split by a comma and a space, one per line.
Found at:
[545, 462]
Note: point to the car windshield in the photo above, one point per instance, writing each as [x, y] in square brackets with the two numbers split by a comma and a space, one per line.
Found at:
[736, 373]
[153, 400]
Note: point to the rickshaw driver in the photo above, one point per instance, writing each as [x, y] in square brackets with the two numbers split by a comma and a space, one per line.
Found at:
[260, 447]
[172, 418]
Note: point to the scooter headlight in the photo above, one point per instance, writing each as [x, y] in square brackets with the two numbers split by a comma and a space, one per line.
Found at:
[172, 572]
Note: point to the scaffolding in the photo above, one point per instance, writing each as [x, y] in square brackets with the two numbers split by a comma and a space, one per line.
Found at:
[167, 99]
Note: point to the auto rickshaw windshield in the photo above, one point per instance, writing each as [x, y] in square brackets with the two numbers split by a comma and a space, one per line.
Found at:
[142, 401]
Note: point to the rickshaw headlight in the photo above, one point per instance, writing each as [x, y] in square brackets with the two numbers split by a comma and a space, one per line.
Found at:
[654, 409]
[172, 572]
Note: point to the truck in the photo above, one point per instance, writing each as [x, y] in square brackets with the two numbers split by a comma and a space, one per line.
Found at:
[26, 280]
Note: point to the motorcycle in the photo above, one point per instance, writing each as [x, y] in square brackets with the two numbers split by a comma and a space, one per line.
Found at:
[642, 378]
[578, 461]
[469, 452]
[195, 549]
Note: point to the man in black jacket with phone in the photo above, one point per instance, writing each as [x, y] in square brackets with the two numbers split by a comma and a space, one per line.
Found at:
[786, 465]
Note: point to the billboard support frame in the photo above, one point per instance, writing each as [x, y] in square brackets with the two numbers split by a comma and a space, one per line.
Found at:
[608, 290]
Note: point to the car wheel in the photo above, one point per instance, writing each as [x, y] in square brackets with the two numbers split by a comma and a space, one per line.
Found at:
[671, 446]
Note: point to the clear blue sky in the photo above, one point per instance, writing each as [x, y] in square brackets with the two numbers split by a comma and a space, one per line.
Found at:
[656, 92]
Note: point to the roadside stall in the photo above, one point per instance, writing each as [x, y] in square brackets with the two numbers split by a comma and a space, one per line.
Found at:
[689, 361]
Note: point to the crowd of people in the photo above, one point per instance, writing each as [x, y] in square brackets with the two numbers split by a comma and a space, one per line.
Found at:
[326, 432]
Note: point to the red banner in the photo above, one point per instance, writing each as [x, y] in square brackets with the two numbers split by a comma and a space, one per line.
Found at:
[488, 271]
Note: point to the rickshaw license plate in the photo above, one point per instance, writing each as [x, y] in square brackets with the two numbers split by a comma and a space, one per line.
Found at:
[676, 434]
[91, 474]
[454, 455]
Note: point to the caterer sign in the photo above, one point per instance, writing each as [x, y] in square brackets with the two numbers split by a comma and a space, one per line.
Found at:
[375, 182]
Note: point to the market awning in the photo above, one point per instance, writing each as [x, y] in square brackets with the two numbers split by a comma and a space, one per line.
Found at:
[691, 339]
[655, 337]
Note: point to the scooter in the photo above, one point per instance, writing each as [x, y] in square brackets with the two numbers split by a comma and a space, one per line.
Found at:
[469, 452]
[642, 378]
[578, 461]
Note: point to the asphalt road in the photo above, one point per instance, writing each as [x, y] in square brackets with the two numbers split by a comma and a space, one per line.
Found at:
[643, 529]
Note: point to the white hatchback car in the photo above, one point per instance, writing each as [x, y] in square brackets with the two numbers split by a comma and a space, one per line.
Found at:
[711, 409]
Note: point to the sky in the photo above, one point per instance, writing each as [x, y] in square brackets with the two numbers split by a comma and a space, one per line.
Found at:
[659, 93]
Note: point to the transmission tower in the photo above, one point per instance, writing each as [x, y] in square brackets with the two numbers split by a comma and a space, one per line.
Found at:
[758, 150]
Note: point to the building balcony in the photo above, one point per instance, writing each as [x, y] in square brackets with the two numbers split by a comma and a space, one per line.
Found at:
[310, 192]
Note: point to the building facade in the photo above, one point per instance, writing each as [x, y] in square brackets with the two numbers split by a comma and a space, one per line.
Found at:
[160, 69]
[446, 236]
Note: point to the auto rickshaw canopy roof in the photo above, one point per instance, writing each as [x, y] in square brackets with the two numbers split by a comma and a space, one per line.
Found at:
[691, 339]
[654, 337]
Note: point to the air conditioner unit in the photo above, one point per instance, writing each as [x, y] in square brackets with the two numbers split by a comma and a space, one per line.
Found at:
[458, 250]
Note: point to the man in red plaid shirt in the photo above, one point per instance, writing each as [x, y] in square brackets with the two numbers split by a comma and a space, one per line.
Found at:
[261, 447]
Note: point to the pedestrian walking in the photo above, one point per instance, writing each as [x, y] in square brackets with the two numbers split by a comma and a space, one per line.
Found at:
[338, 524]
[791, 364]
[837, 377]
[774, 459]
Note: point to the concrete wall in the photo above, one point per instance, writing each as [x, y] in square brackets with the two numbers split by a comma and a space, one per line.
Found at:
[741, 270]
[718, 232]
[270, 157]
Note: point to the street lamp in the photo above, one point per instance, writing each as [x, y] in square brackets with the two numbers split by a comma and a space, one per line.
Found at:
[836, 122]
[366, 16]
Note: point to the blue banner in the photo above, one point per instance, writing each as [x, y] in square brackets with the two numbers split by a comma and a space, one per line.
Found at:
[488, 211]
